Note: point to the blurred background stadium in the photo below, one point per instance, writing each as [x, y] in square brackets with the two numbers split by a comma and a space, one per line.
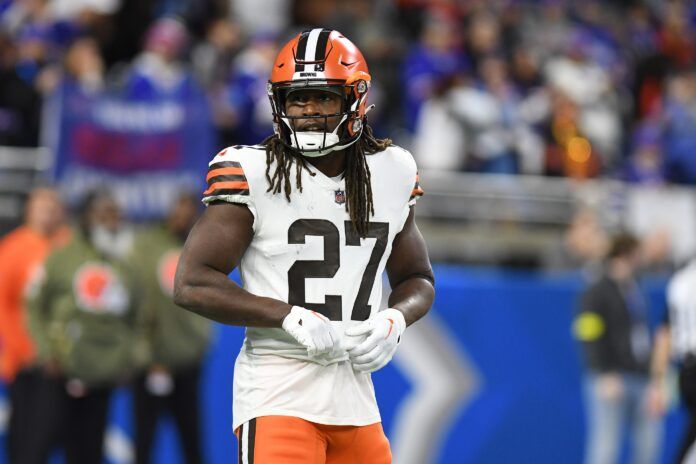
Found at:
[540, 129]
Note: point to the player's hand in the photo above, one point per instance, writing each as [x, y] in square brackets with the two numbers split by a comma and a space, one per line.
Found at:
[657, 397]
[312, 330]
[372, 344]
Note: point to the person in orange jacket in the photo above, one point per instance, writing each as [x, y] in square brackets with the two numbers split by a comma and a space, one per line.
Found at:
[22, 252]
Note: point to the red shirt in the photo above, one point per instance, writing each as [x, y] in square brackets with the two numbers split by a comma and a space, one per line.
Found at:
[22, 251]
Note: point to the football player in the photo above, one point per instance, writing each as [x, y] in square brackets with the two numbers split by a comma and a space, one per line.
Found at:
[312, 216]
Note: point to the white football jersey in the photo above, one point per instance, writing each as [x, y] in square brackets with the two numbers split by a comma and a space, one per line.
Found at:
[307, 253]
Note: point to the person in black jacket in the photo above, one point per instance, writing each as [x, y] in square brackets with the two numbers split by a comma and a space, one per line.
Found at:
[612, 326]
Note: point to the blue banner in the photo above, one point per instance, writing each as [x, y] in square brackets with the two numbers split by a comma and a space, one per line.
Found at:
[145, 148]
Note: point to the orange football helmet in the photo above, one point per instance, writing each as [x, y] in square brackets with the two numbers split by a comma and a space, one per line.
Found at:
[320, 59]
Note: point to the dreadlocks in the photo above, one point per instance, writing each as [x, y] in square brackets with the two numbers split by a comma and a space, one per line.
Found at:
[358, 179]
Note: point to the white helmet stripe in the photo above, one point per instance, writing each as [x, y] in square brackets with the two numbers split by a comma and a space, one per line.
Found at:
[312, 40]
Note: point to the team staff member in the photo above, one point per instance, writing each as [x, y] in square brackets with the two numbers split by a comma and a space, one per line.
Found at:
[312, 217]
[178, 339]
[676, 339]
[612, 326]
[84, 321]
[22, 252]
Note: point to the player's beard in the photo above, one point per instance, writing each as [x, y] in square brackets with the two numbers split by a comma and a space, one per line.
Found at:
[113, 244]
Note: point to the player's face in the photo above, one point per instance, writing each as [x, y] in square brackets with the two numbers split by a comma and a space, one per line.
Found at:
[313, 102]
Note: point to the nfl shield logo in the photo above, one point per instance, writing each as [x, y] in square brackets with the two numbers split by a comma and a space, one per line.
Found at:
[340, 196]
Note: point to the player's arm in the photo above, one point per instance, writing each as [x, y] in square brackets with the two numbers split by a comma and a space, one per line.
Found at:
[661, 354]
[658, 388]
[410, 274]
[213, 249]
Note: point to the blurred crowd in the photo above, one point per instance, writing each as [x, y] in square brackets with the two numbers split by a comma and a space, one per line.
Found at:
[554, 87]
[86, 308]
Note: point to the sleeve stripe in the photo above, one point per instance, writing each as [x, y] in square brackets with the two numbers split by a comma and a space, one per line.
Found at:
[217, 179]
[227, 192]
[225, 164]
[417, 191]
[223, 171]
[233, 185]
[416, 194]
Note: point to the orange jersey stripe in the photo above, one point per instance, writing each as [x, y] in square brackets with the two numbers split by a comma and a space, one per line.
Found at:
[235, 185]
[224, 171]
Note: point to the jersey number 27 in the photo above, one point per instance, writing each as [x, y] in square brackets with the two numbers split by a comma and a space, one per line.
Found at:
[327, 268]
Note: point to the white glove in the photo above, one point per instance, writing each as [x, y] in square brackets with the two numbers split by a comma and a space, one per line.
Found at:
[311, 329]
[372, 344]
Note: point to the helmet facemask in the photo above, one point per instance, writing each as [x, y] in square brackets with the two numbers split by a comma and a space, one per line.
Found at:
[314, 143]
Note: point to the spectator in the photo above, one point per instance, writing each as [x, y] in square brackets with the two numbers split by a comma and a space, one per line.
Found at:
[437, 58]
[440, 141]
[262, 15]
[504, 142]
[244, 112]
[524, 70]
[212, 58]
[178, 339]
[588, 85]
[84, 321]
[20, 14]
[568, 150]
[613, 328]
[84, 66]
[22, 252]
[545, 29]
[583, 246]
[676, 35]
[20, 103]
[34, 52]
[680, 128]
[484, 36]
[158, 70]
[130, 24]
[91, 16]
[646, 165]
